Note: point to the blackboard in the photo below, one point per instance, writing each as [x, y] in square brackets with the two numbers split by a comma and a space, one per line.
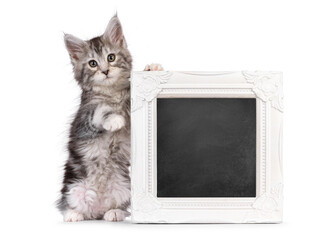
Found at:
[206, 147]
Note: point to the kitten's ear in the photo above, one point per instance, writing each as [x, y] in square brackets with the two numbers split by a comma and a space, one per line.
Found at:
[75, 46]
[114, 33]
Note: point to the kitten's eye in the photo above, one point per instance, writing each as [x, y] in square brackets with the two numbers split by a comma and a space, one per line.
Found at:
[93, 63]
[111, 57]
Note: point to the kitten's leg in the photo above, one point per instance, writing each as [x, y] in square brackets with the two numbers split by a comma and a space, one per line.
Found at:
[114, 122]
[116, 215]
[73, 216]
[104, 117]
[153, 67]
[81, 202]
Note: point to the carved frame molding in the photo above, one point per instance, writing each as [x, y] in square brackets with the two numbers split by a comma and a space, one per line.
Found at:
[266, 87]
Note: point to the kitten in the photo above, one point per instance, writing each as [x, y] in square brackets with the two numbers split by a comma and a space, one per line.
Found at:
[96, 182]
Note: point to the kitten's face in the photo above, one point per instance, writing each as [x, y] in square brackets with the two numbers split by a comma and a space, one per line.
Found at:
[102, 62]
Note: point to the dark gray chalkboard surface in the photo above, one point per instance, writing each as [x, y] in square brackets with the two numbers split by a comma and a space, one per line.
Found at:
[206, 147]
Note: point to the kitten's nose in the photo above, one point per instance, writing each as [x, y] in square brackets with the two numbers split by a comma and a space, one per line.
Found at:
[106, 72]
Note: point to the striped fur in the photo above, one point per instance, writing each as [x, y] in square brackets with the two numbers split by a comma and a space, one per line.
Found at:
[96, 181]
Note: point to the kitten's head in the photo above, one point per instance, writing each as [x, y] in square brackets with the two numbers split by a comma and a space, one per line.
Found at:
[103, 62]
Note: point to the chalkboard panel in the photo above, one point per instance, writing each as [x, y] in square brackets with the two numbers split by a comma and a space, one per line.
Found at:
[206, 147]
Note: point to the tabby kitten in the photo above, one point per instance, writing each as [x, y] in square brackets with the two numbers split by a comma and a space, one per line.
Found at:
[96, 182]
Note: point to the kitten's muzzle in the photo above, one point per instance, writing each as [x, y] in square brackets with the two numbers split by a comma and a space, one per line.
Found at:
[106, 72]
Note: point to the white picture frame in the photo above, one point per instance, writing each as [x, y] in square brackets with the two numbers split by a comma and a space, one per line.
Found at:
[266, 87]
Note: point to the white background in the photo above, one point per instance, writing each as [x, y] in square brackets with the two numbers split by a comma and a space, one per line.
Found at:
[38, 96]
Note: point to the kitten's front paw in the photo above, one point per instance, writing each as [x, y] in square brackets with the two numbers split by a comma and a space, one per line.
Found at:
[116, 215]
[154, 67]
[114, 122]
[73, 216]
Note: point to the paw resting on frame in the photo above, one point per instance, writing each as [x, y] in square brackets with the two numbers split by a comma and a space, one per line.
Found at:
[153, 67]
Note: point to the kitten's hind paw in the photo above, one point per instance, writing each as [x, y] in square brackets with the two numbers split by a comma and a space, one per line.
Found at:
[73, 216]
[116, 215]
[154, 67]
